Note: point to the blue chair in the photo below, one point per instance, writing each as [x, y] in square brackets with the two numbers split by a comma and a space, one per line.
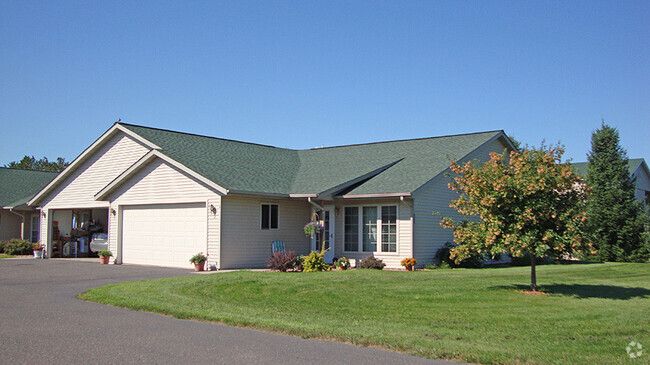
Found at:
[278, 246]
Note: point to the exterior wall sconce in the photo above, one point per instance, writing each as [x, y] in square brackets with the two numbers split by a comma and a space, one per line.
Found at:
[43, 214]
[212, 209]
[336, 212]
[113, 211]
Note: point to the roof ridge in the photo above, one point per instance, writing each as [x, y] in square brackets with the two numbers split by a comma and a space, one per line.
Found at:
[30, 170]
[202, 135]
[405, 140]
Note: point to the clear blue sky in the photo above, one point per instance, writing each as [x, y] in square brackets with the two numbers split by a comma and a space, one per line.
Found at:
[302, 74]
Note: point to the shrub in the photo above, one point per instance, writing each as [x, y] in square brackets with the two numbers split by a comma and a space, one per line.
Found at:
[315, 262]
[371, 262]
[282, 261]
[2, 247]
[473, 261]
[18, 247]
[442, 265]
[105, 253]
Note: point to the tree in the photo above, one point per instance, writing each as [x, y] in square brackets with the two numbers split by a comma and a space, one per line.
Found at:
[31, 163]
[527, 203]
[615, 220]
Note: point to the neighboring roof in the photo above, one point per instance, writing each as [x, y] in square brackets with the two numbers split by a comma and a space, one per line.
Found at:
[632, 165]
[17, 186]
[373, 168]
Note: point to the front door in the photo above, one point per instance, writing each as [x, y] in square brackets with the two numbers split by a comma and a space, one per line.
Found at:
[325, 239]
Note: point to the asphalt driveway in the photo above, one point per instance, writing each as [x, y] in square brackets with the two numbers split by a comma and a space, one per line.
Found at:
[42, 321]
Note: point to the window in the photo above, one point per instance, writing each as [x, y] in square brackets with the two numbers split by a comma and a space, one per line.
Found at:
[362, 226]
[351, 233]
[369, 229]
[269, 216]
[389, 229]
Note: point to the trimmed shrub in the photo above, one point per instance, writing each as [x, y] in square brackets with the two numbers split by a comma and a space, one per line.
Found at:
[18, 247]
[2, 247]
[315, 262]
[282, 261]
[371, 262]
[442, 255]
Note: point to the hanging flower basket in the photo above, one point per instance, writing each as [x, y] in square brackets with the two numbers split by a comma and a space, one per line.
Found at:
[312, 228]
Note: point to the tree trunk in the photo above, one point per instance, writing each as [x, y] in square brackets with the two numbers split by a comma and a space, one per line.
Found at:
[533, 275]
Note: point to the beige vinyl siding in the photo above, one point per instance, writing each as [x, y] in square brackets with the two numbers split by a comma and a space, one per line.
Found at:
[79, 188]
[404, 232]
[214, 233]
[245, 245]
[160, 183]
[435, 196]
[10, 225]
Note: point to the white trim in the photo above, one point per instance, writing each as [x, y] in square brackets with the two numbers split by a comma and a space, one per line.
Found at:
[82, 157]
[378, 195]
[143, 161]
[379, 234]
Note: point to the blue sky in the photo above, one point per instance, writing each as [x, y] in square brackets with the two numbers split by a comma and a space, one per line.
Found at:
[302, 74]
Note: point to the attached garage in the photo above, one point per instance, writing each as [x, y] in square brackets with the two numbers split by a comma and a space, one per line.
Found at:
[163, 235]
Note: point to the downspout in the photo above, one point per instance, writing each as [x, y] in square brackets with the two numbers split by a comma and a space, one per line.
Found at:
[22, 225]
[314, 204]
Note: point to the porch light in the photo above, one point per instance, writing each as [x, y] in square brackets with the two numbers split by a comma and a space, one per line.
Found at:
[112, 211]
[43, 214]
[213, 209]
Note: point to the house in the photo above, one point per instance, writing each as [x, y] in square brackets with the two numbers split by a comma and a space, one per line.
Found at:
[17, 186]
[639, 173]
[163, 196]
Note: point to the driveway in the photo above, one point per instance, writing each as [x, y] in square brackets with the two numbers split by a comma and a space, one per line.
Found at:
[42, 321]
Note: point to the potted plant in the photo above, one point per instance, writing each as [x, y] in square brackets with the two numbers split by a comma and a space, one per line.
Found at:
[38, 250]
[312, 228]
[104, 256]
[199, 261]
[343, 263]
[409, 263]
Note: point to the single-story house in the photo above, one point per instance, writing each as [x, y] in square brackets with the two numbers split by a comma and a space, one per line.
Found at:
[639, 173]
[17, 186]
[163, 196]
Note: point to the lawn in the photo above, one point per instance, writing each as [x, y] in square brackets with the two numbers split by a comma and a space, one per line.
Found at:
[589, 314]
[5, 256]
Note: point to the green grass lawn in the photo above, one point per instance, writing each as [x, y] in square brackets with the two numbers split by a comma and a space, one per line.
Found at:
[5, 256]
[590, 314]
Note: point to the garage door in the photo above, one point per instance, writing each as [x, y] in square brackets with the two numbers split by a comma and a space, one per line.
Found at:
[163, 235]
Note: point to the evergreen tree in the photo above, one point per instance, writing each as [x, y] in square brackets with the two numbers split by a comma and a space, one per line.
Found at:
[616, 222]
[31, 163]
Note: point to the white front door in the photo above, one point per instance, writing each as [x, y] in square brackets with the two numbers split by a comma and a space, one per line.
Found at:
[325, 239]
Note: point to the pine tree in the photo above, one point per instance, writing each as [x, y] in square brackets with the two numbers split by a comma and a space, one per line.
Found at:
[616, 222]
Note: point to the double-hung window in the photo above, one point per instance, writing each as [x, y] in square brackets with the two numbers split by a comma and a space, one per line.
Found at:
[269, 216]
[370, 229]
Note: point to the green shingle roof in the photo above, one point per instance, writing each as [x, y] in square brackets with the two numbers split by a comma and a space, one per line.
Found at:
[581, 167]
[399, 166]
[17, 186]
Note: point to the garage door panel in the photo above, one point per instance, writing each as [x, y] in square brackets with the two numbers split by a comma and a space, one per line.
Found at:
[164, 235]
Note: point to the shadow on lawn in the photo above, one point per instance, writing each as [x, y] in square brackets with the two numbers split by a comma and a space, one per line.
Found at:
[586, 291]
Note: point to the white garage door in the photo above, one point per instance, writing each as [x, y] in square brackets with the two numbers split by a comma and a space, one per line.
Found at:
[163, 235]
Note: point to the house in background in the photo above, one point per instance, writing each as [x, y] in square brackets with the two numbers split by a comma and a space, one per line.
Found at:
[163, 196]
[639, 173]
[17, 186]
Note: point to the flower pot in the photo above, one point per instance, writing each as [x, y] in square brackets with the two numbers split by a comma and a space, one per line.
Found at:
[104, 260]
[409, 268]
[38, 254]
[342, 268]
[199, 266]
